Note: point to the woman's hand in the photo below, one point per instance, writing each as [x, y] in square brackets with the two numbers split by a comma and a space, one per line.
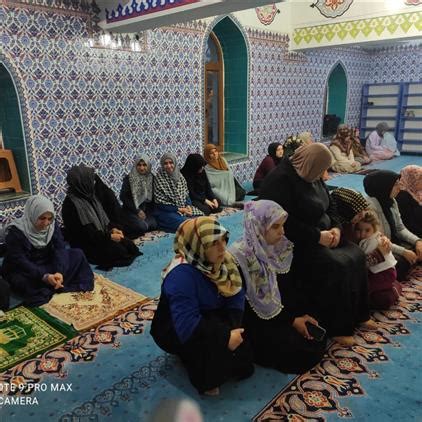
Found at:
[188, 211]
[299, 324]
[141, 215]
[384, 245]
[410, 256]
[117, 231]
[215, 202]
[116, 237]
[326, 238]
[58, 277]
[209, 203]
[236, 338]
[336, 237]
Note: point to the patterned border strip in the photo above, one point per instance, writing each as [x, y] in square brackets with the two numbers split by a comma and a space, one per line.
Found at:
[318, 391]
[375, 26]
[82, 8]
[83, 348]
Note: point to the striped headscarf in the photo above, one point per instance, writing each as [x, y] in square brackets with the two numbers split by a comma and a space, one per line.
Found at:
[192, 239]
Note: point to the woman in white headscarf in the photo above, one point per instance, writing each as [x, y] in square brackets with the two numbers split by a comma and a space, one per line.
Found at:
[37, 263]
[171, 196]
[136, 196]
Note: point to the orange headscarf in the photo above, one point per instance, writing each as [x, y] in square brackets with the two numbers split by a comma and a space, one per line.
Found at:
[218, 163]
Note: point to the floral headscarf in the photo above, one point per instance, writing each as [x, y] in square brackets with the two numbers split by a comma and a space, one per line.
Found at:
[192, 239]
[411, 181]
[342, 139]
[260, 262]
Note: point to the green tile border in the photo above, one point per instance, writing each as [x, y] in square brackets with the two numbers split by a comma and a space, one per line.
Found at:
[378, 27]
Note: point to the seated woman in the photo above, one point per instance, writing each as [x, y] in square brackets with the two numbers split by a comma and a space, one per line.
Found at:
[329, 271]
[279, 339]
[341, 149]
[37, 263]
[305, 137]
[275, 153]
[374, 147]
[136, 196]
[200, 191]
[171, 196]
[358, 150]
[223, 183]
[87, 225]
[389, 142]
[201, 306]
[409, 198]
[382, 187]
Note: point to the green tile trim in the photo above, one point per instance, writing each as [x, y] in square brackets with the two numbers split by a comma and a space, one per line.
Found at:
[375, 27]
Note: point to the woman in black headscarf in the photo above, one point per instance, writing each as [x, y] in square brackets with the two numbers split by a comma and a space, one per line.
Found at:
[382, 188]
[199, 186]
[275, 154]
[88, 226]
[327, 270]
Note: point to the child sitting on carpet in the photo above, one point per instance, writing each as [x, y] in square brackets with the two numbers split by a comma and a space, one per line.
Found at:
[37, 263]
[383, 288]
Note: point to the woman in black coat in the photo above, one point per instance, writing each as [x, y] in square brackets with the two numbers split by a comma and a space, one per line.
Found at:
[326, 270]
[87, 225]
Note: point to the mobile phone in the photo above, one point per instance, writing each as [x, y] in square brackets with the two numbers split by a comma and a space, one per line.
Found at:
[315, 331]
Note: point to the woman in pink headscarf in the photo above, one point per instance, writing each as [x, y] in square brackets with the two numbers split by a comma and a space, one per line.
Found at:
[409, 199]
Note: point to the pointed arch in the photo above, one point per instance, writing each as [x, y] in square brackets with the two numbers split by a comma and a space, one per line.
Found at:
[228, 34]
[337, 91]
[14, 120]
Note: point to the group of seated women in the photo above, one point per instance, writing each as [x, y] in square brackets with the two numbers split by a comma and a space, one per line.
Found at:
[349, 154]
[100, 230]
[304, 260]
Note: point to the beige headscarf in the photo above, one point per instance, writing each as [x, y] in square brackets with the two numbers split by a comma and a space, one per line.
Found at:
[305, 137]
[310, 161]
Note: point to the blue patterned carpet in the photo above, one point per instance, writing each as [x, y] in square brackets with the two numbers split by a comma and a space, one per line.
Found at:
[117, 373]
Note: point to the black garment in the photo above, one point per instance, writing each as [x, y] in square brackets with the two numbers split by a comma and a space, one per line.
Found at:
[111, 205]
[205, 355]
[134, 226]
[198, 183]
[4, 294]
[278, 345]
[334, 281]
[97, 245]
[411, 212]
[240, 192]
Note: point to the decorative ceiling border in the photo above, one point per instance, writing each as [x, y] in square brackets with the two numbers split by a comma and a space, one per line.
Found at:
[79, 8]
[379, 27]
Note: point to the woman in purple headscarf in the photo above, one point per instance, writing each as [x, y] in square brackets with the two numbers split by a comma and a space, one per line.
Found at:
[280, 339]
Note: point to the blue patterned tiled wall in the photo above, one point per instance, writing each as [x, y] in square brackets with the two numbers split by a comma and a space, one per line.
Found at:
[103, 107]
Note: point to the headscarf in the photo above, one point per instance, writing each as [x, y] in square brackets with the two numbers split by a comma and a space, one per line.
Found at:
[342, 139]
[310, 161]
[379, 185]
[305, 137]
[81, 191]
[218, 163]
[411, 180]
[192, 165]
[141, 184]
[381, 128]
[35, 206]
[175, 175]
[192, 239]
[272, 150]
[349, 203]
[261, 262]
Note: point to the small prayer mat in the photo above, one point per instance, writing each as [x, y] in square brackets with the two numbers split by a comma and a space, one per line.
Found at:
[24, 334]
[85, 310]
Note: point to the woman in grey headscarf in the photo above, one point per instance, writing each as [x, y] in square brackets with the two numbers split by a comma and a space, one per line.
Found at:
[136, 196]
[37, 263]
[374, 144]
[171, 196]
[88, 226]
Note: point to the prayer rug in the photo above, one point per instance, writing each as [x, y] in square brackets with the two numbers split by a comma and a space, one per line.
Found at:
[24, 333]
[85, 310]
[321, 391]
